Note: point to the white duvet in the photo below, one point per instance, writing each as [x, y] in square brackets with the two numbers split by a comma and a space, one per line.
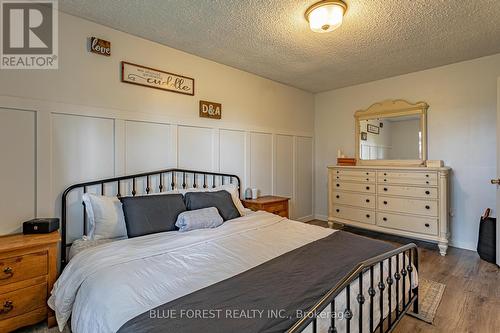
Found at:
[103, 287]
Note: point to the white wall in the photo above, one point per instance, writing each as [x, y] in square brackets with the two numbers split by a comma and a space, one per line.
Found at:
[461, 131]
[405, 139]
[86, 124]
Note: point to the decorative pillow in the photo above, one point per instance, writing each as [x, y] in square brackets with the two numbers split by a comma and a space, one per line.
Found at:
[199, 219]
[221, 200]
[105, 217]
[231, 188]
[152, 213]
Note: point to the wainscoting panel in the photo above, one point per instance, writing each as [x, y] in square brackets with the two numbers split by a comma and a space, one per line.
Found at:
[17, 151]
[261, 162]
[195, 148]
[304, 177]
[82, 150]
[283, 180]
[232, 153]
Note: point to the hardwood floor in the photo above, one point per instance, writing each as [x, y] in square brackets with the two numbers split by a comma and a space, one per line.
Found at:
[471, 301]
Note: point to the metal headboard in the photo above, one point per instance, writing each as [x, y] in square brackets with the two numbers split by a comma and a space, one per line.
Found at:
[208, 179]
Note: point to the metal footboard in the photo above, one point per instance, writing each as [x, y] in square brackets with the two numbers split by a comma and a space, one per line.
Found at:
[400, 264]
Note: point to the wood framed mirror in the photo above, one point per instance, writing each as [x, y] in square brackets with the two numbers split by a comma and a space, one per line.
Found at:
[392, 132]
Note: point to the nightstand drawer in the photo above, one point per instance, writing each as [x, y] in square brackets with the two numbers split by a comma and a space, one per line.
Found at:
[276, 207]
[24, 267]
[22, 301]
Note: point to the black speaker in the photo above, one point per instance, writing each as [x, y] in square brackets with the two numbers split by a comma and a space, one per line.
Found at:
[40, 226]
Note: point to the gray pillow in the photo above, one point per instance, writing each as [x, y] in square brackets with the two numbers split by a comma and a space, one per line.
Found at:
[199, 219]
[151, 214]
[221, 200]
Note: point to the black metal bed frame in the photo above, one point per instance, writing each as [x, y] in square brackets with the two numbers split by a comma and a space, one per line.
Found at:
[395, 281]
[163, 186]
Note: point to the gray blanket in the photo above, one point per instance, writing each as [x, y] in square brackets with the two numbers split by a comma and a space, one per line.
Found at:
[265, 298]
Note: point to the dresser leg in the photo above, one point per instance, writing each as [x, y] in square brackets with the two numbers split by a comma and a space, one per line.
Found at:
[443, 247]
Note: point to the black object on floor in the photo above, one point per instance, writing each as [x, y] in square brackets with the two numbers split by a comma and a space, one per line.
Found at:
[486, 245]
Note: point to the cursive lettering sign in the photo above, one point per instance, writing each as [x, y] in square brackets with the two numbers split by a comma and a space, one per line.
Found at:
[100, 46]
[153, 78]
[210, 110]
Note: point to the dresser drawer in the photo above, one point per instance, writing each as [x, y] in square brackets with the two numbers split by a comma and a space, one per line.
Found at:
[354, 199]
[22, 301]
[354, 187]
[407, 178]
[363, 179]
[409, 191]
[354, 214]
[410, 206]
[14, 269]
[354, 173]
[423, 225]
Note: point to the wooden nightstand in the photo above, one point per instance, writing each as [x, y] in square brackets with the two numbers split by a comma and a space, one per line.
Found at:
[269, 203]
[28, 270]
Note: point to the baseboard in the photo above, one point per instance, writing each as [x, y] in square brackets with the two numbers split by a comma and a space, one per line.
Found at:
[463, 245]
[305, 218]
[321, 217]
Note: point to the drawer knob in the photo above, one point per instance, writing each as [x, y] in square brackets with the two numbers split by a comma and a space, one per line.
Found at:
[368, 188]
[427, 207]
[367, 179]
[338, 196]
[367, 173]
[385, 174]
[367, 200]
[338, 177]
[9, 272]
[367, 216]
[338, 185]
[7, 307]
[385, 218]
[427, 176]
[385, 189]
[427, 182]
[385, 180]
[337, 210]
[427, 192]
[427, 225]
[385, 202]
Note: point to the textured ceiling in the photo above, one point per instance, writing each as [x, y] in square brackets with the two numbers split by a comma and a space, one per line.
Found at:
[379, 38]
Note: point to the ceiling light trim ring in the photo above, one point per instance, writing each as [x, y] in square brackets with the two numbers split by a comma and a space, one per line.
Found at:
[324, 3]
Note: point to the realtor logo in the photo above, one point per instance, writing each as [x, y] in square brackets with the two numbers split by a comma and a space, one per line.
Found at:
[29, 34]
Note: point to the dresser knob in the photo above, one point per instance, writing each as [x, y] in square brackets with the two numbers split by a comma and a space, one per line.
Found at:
[9, 272]
[367, 200]
[385, 180]
[427, 176]
[338, 196]
[385, 174]
[367, 173]
[385, 189]
[385, 202]
[7, 307]
[368, 188]
[338, 185]
[427, 225]
[367, 179]
[367, 216]
[427, 207]
[427, 192]
[427, 182]
[337, 210]
[338, 177]
[385, 218]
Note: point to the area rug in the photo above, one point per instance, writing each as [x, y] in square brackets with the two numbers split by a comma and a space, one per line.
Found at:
[430, 294]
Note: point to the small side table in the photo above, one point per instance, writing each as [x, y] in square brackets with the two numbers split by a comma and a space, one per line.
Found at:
[269, 203]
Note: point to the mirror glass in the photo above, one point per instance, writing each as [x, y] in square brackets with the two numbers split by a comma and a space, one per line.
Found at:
[391, 138]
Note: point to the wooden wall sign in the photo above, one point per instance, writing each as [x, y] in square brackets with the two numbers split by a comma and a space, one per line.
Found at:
[210, 110]
[100, 46]
[154, 78]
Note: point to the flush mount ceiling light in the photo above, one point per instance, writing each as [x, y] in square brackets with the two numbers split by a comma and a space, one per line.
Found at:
[326, 15]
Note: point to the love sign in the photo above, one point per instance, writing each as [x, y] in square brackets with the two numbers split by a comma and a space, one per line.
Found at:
[100, 46]
[210, 110]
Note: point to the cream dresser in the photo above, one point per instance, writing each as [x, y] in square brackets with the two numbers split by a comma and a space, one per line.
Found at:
[405, 201]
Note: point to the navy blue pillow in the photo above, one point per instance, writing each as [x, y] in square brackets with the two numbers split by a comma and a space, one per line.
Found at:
[221, 200]
[152, 213]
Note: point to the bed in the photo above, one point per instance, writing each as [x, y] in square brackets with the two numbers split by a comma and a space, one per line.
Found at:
[258, 272]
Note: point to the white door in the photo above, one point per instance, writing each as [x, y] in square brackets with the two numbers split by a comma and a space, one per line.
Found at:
[498, 171]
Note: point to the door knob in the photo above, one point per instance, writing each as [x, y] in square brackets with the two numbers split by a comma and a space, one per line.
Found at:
[495, 181]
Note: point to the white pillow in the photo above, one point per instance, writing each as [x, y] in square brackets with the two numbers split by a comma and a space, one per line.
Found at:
[105, 216]
[231, 188]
